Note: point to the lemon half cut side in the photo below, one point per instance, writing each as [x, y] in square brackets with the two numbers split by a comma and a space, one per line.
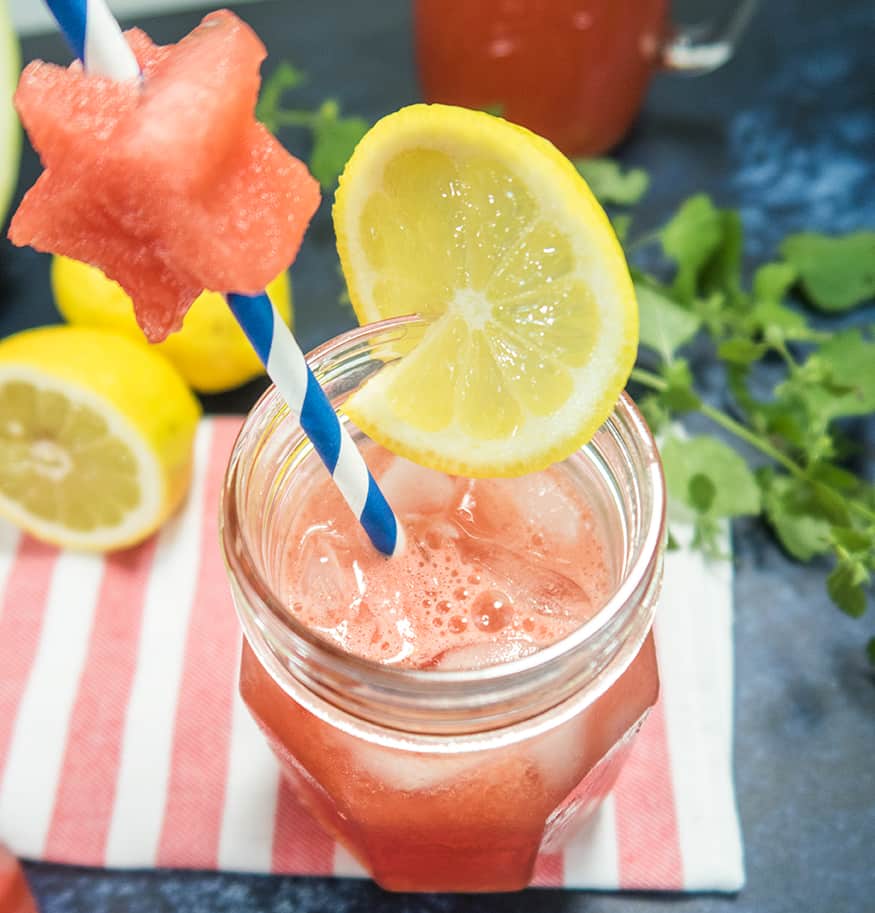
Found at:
[96, 437]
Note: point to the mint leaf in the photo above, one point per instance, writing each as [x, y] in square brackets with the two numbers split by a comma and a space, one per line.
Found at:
[769, 317]
[610, 183]
[836, 273]
[334, 138]
[741, 351]
[664, 325]
[772, 281]
[792, 510]
[722, 272]
[852, 539]
[269, 108]
[776, 323]
[716, 313]
[679, 395]
[801, 413]
[736, 492]
[701, 493]
[851, 362]
[845, 588]
[835, 381]
[835, 477]
[690, 238]
[831, 503]
[655, 412]
[621, 224]
[706, 536]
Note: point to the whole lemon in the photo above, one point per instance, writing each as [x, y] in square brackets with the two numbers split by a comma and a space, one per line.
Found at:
[210, 351]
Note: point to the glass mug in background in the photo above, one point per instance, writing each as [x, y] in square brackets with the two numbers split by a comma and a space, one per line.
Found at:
[443, 780]
[574, 71]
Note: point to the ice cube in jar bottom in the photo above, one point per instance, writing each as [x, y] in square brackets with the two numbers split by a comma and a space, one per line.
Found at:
[412, 771]
[555, 757]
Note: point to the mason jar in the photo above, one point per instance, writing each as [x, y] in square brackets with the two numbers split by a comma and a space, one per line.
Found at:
[443, 780]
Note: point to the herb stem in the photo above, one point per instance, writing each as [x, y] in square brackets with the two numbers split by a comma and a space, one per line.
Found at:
[643, 240]
[655, 382]
[749, 437]
[781, 348]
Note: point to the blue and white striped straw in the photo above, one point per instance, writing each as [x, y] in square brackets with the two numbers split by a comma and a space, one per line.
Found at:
[97, 41]
[282, 357]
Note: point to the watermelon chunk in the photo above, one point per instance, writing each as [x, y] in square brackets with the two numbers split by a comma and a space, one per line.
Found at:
[170, 186]
[15, 896]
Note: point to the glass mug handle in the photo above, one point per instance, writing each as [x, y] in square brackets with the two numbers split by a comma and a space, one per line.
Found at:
[701, 48]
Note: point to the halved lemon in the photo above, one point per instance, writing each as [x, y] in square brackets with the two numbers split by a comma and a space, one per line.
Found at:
[96, 437]
[488, 232]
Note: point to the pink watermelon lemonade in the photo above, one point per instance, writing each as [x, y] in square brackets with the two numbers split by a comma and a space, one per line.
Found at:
[494, 569]
[449, 713]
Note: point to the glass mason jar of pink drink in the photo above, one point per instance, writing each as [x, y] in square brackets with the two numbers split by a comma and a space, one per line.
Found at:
[449, 713]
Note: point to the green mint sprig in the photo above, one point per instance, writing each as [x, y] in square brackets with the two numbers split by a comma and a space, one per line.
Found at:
[788, 466]
[333, 136]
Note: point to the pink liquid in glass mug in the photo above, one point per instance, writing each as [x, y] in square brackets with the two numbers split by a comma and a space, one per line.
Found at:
[574, 71]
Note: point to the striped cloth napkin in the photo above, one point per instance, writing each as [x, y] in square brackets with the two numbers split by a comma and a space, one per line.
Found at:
[123, 741]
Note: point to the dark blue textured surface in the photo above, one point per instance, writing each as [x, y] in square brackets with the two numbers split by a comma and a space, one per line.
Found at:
[786, 133]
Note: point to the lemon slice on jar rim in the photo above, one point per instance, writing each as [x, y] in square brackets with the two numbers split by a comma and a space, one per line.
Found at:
[489, 233]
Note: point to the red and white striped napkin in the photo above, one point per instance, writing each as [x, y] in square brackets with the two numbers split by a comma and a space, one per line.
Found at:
[123, 741]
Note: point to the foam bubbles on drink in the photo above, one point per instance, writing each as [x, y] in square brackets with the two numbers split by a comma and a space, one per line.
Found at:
[493, 569]
[492, 611]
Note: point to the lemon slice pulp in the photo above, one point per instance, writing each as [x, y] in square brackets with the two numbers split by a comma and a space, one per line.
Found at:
[489, 233]
[96, 435]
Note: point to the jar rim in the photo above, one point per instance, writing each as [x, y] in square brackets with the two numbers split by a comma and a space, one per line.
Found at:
[242, 566]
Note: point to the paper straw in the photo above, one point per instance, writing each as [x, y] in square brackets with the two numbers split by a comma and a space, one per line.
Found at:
[97, 40]
[282, 357]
